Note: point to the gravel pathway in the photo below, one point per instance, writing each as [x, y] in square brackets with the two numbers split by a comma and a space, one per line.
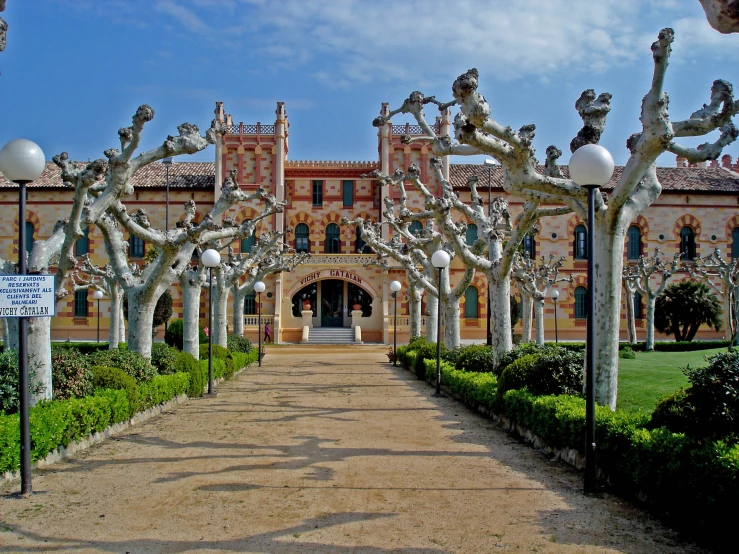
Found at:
[320, 450]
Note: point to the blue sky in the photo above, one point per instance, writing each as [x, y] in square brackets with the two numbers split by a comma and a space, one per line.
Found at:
[74, 71]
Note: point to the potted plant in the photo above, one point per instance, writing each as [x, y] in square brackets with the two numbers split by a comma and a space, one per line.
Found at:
[391, 356]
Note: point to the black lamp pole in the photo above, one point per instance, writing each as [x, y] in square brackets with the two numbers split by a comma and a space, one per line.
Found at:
[589, 484]
[25, 427]
[489, 332]
[438, 339]
[98, 320]
[395, 329]
[210, 333]
[556, 333]
[259, 328]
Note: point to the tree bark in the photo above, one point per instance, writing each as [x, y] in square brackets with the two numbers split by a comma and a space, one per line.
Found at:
[39, 350]
[220, 310]
[526, 317]
[432, 307]
[539, 306]
[451, 322]
[414, 310]
[191, 317]
[630, 319]
[239, 297]
[608, 265]
[651, 302]
[116, 305]
[140, 322]
[500, 305]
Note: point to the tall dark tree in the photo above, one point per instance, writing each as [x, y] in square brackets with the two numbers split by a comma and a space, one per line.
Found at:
[683, 307]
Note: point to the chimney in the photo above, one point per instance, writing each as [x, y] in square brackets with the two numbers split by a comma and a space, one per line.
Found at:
[219, 111]
[701, 165]
[714, 164]
[680, 161]
[229, 119]
[726, 161]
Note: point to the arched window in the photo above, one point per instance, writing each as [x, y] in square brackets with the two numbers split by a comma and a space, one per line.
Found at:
[581, 302]
[581, 243]
[29, 236]
[470, 303]
[415, 228]
[302, 240]
[633, 250]
[471, 235]
[82, 246]
[248, 242]
[333, 239]
[687, 243]
[529, 246]
[735, 242]
[361, 246]
[136, 247]
[638, 306]
[250, 306]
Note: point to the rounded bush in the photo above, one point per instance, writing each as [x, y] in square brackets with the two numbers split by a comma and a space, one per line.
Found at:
[164, 358]
[479, 358]
[174, 336]
[131, 363]
[511, 356]
[426, 351]
[237, 343]
[514, 376]
[113, 378]
[186, 363]
[219, 353]
[70, 374]
[673, 411]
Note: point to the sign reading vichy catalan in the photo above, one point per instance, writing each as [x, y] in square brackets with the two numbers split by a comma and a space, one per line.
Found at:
[27, 296]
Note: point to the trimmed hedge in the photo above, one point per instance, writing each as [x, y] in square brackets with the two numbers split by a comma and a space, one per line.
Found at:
[115, 379]
[81, 347]
[662, 346]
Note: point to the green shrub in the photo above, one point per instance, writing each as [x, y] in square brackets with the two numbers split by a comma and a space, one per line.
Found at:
[479, 357]
[515, 375]
[164, 358]
[81, 347]
[416, 342]
[186, 363]
[70, 373]
[175, 333]
[626, 353]
[425, 351]
[237, 343]
[219, 353]
[9, 376]
[116, 379]
[709, 408]
[132, 363]
[162, 388]
[511, 356]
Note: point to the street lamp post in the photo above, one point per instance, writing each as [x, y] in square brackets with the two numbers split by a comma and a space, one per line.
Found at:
[210, 258]
[259, 289]
[440, 260]
[395, 288]
[167, 162]
[22, 162]
[489, 163]
[555, 296]
[97, 295]
[591, 166]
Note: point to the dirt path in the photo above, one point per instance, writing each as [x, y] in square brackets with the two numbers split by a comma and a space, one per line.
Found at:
[333, 451]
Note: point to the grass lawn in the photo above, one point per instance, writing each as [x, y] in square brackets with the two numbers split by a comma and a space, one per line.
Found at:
[652, 375]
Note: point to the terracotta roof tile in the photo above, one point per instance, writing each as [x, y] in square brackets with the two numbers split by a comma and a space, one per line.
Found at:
[673, 179]
[182, 175]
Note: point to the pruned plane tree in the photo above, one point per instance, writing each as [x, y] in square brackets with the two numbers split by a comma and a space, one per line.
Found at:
[629, 194]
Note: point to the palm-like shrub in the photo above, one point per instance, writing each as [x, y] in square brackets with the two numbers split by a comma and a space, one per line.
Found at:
[683, 307]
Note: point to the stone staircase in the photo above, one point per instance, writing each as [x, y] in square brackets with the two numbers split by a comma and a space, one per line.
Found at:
[331, 335]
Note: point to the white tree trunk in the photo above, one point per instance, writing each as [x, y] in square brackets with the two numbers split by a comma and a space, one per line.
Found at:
[238, 308]
[11, 324]
[140, 323]
[527, 308]
[6, 340]
[630, 316]
[451, 322]
[500, 310]
[608, 265]
[651, 302]
[414, 310]
[220, 313]
[122, 324]
[190, 318]
[539, 305]
[116, 305]
[39, 355]
[432, 307]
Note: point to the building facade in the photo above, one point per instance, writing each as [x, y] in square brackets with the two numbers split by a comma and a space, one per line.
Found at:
[696, 213]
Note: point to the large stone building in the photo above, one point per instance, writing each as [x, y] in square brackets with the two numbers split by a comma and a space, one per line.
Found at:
[696, 213]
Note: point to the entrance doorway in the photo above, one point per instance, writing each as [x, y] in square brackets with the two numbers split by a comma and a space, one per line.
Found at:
[332, 303]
